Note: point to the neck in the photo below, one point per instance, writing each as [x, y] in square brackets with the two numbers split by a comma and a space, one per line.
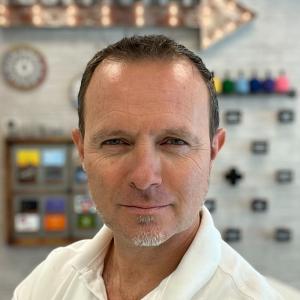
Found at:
[127, 267]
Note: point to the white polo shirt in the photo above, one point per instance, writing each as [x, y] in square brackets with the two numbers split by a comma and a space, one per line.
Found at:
[209, 270]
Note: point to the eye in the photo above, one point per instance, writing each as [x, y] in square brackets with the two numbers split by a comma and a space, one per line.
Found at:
[175, 141]
[113, 142]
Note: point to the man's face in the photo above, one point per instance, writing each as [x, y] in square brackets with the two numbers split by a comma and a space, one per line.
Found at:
[146, 148]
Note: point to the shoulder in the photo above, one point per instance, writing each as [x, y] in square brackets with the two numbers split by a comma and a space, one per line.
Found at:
[62, 257]
[243, 278]
[54, 270]
[65, 254]
[64, 267]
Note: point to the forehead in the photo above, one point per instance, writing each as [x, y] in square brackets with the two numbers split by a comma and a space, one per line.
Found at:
[146, 88]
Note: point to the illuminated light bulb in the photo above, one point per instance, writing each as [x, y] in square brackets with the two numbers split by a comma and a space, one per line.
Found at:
[139, 10]
[3, 21]
[206, 21]
[140, 21]
[218, 34]
[37, 20]
[36, 9]
[71, 21]
[230, 27]
[3, 9]
[206, 42]
[105, 10]
[173, 9]
[246, 16]
[206, 10]
[106, 21]
[72, 10]
[231, 5]
[173, 21]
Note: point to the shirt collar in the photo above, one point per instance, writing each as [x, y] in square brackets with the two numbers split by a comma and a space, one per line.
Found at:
[195, 269]
[198, 264]
[92, 254]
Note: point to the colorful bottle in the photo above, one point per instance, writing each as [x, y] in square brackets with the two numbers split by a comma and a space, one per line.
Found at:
[268, 84]
[282, 84]
[228, 84]
[218, 84]
[255, 84]
[242, 84]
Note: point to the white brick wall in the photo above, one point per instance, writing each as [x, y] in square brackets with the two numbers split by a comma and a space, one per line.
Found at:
[271, 42]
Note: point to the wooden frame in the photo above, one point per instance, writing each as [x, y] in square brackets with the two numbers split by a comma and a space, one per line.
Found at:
[9, 193]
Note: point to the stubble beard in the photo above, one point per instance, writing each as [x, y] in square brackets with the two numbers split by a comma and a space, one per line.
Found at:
[146, 237]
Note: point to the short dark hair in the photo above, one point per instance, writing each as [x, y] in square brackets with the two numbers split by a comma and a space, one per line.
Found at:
[157, 47]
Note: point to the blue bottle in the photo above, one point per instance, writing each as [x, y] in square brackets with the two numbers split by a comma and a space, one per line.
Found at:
[255, 84]
[268, 84]
[242, 84]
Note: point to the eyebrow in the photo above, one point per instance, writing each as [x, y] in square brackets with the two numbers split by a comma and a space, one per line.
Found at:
[179, 132]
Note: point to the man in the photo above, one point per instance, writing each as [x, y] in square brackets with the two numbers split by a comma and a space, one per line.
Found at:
[148, 135]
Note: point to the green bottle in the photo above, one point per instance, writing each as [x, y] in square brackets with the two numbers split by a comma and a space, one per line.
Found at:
[228, 84]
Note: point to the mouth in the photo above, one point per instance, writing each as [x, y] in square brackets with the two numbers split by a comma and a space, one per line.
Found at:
[145, 209]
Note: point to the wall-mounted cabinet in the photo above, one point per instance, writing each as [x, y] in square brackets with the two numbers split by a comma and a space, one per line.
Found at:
[47, 201]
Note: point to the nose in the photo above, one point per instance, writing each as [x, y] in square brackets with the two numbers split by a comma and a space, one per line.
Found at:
[145, 171]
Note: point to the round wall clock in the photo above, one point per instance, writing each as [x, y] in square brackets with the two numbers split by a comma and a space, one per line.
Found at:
[24, 67]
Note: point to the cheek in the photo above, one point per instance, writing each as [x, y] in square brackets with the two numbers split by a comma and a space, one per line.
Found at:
[101, 168]
[102, 176]
[187, 179]
[190, 179]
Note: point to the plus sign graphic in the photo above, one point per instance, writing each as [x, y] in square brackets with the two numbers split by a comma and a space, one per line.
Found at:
[233, 176]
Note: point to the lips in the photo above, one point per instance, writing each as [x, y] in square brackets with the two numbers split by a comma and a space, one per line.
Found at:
[145, 206]
[145, 209]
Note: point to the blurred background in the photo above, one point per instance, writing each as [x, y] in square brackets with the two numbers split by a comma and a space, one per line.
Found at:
[252, 46]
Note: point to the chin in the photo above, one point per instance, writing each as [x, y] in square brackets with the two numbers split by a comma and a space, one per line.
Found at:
[148, 233]
[149, 240]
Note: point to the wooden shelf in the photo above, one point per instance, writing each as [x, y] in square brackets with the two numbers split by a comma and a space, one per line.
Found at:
[36, 241]
[292, 94]
[18, 194]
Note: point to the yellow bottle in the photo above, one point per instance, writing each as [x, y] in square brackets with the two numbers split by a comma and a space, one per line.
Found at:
[218, 84]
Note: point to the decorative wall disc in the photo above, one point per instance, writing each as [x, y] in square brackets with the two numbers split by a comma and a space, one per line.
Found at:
[24, 67]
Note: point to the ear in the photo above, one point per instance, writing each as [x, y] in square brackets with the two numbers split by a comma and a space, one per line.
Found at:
[217, 142]
[78, 141]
